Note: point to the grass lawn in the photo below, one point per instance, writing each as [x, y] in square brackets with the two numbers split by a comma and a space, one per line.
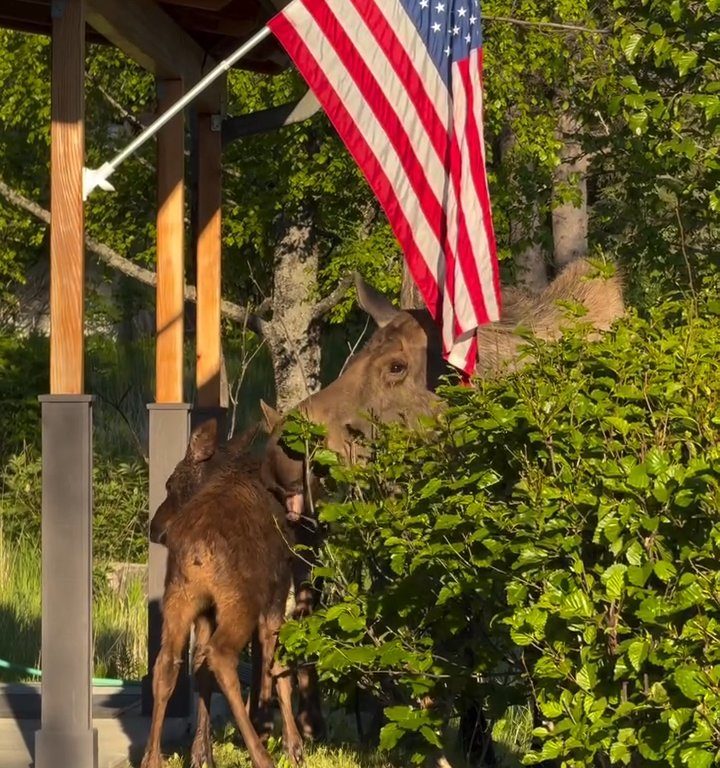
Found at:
[119, 619]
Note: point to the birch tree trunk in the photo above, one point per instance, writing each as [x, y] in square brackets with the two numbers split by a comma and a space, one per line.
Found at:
[570, 220]
[293, 335]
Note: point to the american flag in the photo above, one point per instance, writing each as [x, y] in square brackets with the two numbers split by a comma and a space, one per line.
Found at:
[401, 80]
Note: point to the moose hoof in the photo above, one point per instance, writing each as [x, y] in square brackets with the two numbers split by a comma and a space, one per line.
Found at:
[151, 760]
[201, 755]
[263, 724]
[294, 748]
[311, 725]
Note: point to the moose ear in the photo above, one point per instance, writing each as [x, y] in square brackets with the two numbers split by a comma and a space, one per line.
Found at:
[271, 417]
[374, 303]
[203, 441]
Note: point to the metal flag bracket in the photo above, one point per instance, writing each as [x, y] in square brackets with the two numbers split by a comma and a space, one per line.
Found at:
[98, 177]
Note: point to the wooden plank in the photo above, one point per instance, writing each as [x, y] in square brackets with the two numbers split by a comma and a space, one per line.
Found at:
[209, 250]
[67, 231]
[170, 250]
[148, 35]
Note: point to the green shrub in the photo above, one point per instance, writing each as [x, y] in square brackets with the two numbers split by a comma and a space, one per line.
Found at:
[555, 539]
[120, 505]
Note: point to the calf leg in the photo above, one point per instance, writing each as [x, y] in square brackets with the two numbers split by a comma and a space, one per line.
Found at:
[263, 651]
[178, 614]
[274, 670]
[201, 752]
[310, 717]
[230, 637]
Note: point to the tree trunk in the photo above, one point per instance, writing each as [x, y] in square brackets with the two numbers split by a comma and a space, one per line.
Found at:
[410, 297]
[570, 219]
[524, 234]
[293, 336]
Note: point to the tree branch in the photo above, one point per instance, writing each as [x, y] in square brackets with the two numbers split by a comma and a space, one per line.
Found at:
[114, 260]
[332, 299]
[547, 24]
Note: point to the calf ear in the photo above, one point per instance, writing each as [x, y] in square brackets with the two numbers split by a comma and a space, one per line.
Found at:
[271, 418]
[203, 441]
[374, 303]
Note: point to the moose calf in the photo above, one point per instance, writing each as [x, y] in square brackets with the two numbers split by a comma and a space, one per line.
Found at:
[229, 568]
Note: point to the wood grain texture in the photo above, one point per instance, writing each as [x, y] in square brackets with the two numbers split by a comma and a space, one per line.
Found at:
[67, 231]
[209, 256]
[170, 250]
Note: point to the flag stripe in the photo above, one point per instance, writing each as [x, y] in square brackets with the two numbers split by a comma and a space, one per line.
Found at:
[283, 25]
[476, 252]
[481, 182]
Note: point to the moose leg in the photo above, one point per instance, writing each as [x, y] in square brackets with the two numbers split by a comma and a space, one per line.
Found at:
[310, 716]
[230, 637]
[261, 710]
[201, 751]
[292, 740]
[274, 670]
[178, 614]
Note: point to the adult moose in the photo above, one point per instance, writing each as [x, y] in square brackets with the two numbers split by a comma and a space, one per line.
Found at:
[394, 376]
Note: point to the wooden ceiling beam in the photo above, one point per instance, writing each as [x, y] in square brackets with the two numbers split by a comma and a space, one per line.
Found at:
[148, 35]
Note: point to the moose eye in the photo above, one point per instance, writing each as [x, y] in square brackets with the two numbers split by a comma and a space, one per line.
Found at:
[398, 366]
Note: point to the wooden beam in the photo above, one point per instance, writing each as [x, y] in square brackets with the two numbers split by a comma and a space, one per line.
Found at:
[67, 231]
[170, 250]
[271, 119]
[148, 35]
[209, 249]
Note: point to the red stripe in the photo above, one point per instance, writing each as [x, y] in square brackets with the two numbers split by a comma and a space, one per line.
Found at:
[471, 358]
[402, 64]
[465, 253]
[383, 111]
[364, 157]
[475, 139]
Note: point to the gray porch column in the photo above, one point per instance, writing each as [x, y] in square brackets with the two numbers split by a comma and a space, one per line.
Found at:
[169, 431]
[66, 736]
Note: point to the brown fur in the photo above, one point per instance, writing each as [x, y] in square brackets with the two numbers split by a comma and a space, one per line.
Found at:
[394, 375]
[229, 570]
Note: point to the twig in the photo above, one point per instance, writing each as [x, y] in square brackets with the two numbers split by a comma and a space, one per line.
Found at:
[548, 24]
[332, 299]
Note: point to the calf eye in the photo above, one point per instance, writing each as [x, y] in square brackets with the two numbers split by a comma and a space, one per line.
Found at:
[398, 366]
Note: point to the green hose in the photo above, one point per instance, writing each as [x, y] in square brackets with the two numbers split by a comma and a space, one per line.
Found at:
[100, 682]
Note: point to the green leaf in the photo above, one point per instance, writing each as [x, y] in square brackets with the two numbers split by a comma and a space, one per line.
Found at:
[697, 758]
[689, 680]
[637, 653]
[664, 570]
[630, 44]
[390, 735]
[614, 580]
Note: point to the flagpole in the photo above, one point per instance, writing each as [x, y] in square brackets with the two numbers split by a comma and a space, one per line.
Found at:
[98, 177]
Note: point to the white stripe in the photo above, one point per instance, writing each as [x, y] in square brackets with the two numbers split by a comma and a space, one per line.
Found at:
[483, 256]
[321, 49]
[464, 308]
[459, 353]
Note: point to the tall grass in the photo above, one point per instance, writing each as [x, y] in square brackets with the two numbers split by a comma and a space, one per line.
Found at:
[119, 618]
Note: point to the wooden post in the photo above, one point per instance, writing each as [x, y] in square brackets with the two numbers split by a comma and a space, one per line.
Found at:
[67, 233]
[209, 248]
[170, 250]
[66, 735]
